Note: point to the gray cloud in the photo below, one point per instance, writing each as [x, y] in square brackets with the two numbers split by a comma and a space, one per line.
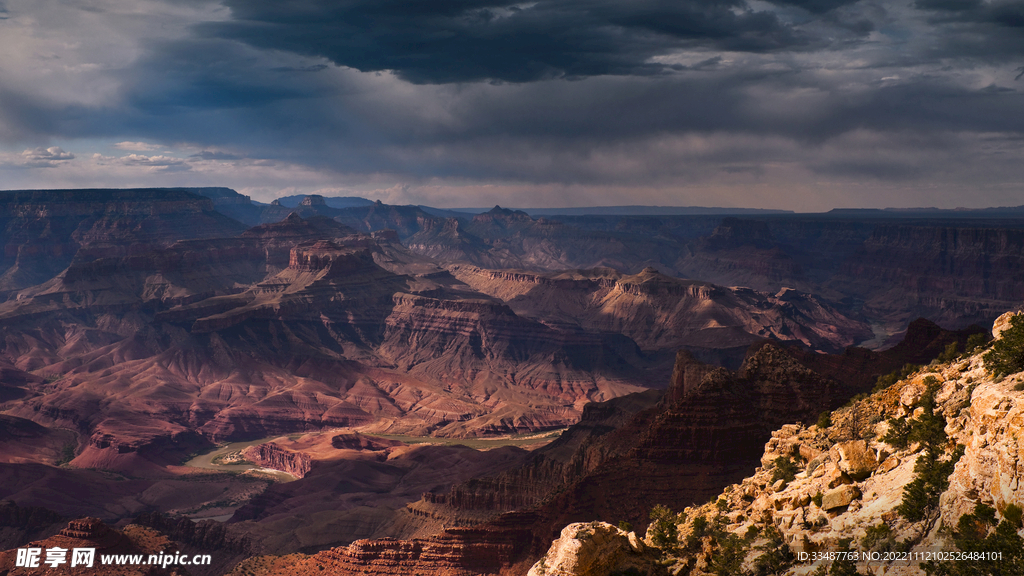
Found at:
[563, 94]
[45, 157]
[481, 40]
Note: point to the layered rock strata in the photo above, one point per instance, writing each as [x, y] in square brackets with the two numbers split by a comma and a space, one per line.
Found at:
[864, 483]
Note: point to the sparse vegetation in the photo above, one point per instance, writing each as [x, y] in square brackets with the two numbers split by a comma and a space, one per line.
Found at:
[625, 526]
[932, 473]
[895, 376]
[728, 559]
[922, 494]
[698, 530]
[952, 352]
[663, 530]
[1013, 514]
[825, 420]
[878, 538]
[858, 421]
[67, 453]
[898, 435]
[1007, 353]
[777, 555]
[785, 470]
[929, 428]
[975, 341]
[974, 534]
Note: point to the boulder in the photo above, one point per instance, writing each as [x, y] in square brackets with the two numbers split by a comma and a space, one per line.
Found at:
[839, 497]
[597, 548]
[888, 464]
[1001, 324]
[856, 459]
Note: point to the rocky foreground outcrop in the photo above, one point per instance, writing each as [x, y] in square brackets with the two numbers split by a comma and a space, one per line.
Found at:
[928, 466]
[598, 549]
[91, 533]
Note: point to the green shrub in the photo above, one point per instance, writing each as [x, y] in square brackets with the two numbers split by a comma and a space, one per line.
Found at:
[727, 560]
[785, 470]
[825, 420]
[878, 537]
[975, 341]
[952, 352]
[817, 499]
[898, 435]
[664, 532]
[1007, 353]
[929, 428]
[1013, 514]
[625, 526]
[932, 479]
[895, 376]
[777, 555]
[974, 535]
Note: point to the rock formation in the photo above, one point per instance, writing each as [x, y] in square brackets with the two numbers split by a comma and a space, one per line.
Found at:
[270, 455]
[92, 533]
[597, 549]
[928, 465]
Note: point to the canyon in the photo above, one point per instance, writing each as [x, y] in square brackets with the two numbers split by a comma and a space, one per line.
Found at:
[139, 328]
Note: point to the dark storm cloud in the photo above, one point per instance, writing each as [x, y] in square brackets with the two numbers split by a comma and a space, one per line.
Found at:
[472, 40]
[815, 6]
[660, 92]
[1001, 13]
[978, 29]
[219, 93]
[204, 74]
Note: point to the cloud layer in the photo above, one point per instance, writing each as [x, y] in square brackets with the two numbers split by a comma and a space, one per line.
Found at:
[804, 104]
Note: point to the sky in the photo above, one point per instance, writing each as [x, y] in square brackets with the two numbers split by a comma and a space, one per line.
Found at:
[804, 105]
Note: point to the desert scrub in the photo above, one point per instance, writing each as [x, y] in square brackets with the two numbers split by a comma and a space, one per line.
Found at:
[784, 470]
[952, 352]
[664, 531]
[932, 478]
[979, 535]
[929, 428]
[776, 555]
[825, 420]
[1013, 514]
[895, 376]
[921, 495]
[67, 453]
[1007, 353]
[975, 341]
[878, 538]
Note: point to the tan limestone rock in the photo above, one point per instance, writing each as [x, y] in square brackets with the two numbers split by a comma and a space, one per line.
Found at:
[856, 459]
[839, 497]
[834, 476]
[888, 464]
[1002, 323]
[596, 549]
